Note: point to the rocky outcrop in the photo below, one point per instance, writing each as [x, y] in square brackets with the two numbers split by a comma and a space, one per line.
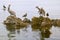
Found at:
[56, 22]
[13, 21]
[26, 20]
[42, 23]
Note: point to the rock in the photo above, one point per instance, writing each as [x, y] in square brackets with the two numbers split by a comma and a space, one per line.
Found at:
[56, 22]
[36, 23]
[45, 26]
[13, 21]
[42, 23]
[26, 20]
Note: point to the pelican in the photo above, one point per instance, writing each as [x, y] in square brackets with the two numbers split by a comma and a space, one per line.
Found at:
[10, 11]
[41, 10]
[25, 15]
[4, 7]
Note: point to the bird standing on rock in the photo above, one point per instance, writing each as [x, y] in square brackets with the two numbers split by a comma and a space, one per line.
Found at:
[10, 11]
[25, 15]
[47, 14]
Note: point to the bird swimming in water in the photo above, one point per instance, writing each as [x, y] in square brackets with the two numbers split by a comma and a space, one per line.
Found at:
[10, 11]
[4, 7]
[25, 15]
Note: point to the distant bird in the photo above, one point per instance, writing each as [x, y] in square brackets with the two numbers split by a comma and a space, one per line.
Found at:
[10, 11]
[41, 10]
[47, 14]
[4, 7]
[25, 15]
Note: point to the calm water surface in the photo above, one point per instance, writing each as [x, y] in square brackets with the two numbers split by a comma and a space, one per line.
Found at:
[28, 34]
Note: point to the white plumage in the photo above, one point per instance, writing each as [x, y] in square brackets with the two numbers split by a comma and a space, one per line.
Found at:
[10, 11]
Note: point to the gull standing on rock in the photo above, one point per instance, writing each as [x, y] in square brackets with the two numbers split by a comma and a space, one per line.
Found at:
[25, 15]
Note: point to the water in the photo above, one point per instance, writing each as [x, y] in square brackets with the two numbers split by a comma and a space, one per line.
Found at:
[22, 6]
[28, 34]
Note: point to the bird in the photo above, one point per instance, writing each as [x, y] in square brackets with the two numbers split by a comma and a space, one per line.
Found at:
[4, 7]
[47, 14]
[41, 10]
[10, 11]
[25, 15]
[38, 8]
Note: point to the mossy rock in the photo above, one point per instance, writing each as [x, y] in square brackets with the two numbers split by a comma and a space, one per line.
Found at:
[46, 34]
[14, 22]
[56, 22]
[26, 20]
[36, 20]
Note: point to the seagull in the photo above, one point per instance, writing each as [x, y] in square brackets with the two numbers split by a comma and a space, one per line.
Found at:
[25, 15]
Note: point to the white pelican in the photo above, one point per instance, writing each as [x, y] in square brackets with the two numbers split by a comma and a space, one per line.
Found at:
[10, 11]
